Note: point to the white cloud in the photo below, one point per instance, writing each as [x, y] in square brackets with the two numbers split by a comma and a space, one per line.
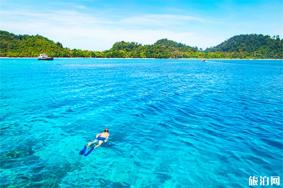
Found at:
[160, 19]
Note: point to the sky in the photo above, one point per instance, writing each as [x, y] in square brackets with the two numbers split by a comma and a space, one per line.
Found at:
[97, 24]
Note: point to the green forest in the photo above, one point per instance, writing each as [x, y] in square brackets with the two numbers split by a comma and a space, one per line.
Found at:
[249, 46]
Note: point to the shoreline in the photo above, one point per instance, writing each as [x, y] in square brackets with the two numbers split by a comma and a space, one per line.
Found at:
[140, 58]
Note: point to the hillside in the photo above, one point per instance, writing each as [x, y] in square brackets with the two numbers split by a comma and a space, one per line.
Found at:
[241, 46]
[25, 45]
[12, 45]
[162, 48]
[261, 46]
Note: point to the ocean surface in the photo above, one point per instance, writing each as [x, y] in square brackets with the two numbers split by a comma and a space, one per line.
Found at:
[173, 123]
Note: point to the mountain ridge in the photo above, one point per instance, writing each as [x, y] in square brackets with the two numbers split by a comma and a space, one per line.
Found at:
[239, 46]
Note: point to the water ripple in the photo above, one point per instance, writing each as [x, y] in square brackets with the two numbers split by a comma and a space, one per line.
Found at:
[173, 123]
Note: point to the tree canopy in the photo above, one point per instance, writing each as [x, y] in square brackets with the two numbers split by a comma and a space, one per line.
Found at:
[261, 46]
[240, 46]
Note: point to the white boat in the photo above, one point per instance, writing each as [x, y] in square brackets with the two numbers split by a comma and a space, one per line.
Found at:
[44, 57]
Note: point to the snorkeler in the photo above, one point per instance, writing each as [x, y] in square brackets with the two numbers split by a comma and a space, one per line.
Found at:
[99, 140]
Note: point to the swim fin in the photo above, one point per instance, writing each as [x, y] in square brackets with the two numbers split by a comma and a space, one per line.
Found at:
[89, 151]
[83, 150]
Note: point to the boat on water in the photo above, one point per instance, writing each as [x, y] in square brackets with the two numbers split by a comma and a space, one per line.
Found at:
[44, 57]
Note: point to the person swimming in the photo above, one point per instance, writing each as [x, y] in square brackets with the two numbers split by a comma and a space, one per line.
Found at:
[99, 140]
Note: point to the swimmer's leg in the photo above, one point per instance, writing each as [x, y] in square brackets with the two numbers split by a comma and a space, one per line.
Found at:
[91, 143]
[99, 144]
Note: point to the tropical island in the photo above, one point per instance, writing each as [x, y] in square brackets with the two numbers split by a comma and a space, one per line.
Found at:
[245, 46]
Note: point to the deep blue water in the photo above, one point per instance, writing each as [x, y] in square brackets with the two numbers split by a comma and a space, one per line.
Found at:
[173, 123]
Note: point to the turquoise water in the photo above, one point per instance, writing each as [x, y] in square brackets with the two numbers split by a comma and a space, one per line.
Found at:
[173, 123]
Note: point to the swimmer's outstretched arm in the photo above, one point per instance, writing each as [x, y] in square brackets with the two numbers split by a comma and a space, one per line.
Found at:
[106, 140]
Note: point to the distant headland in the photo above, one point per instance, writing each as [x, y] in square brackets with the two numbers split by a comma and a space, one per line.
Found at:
[245, 46]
